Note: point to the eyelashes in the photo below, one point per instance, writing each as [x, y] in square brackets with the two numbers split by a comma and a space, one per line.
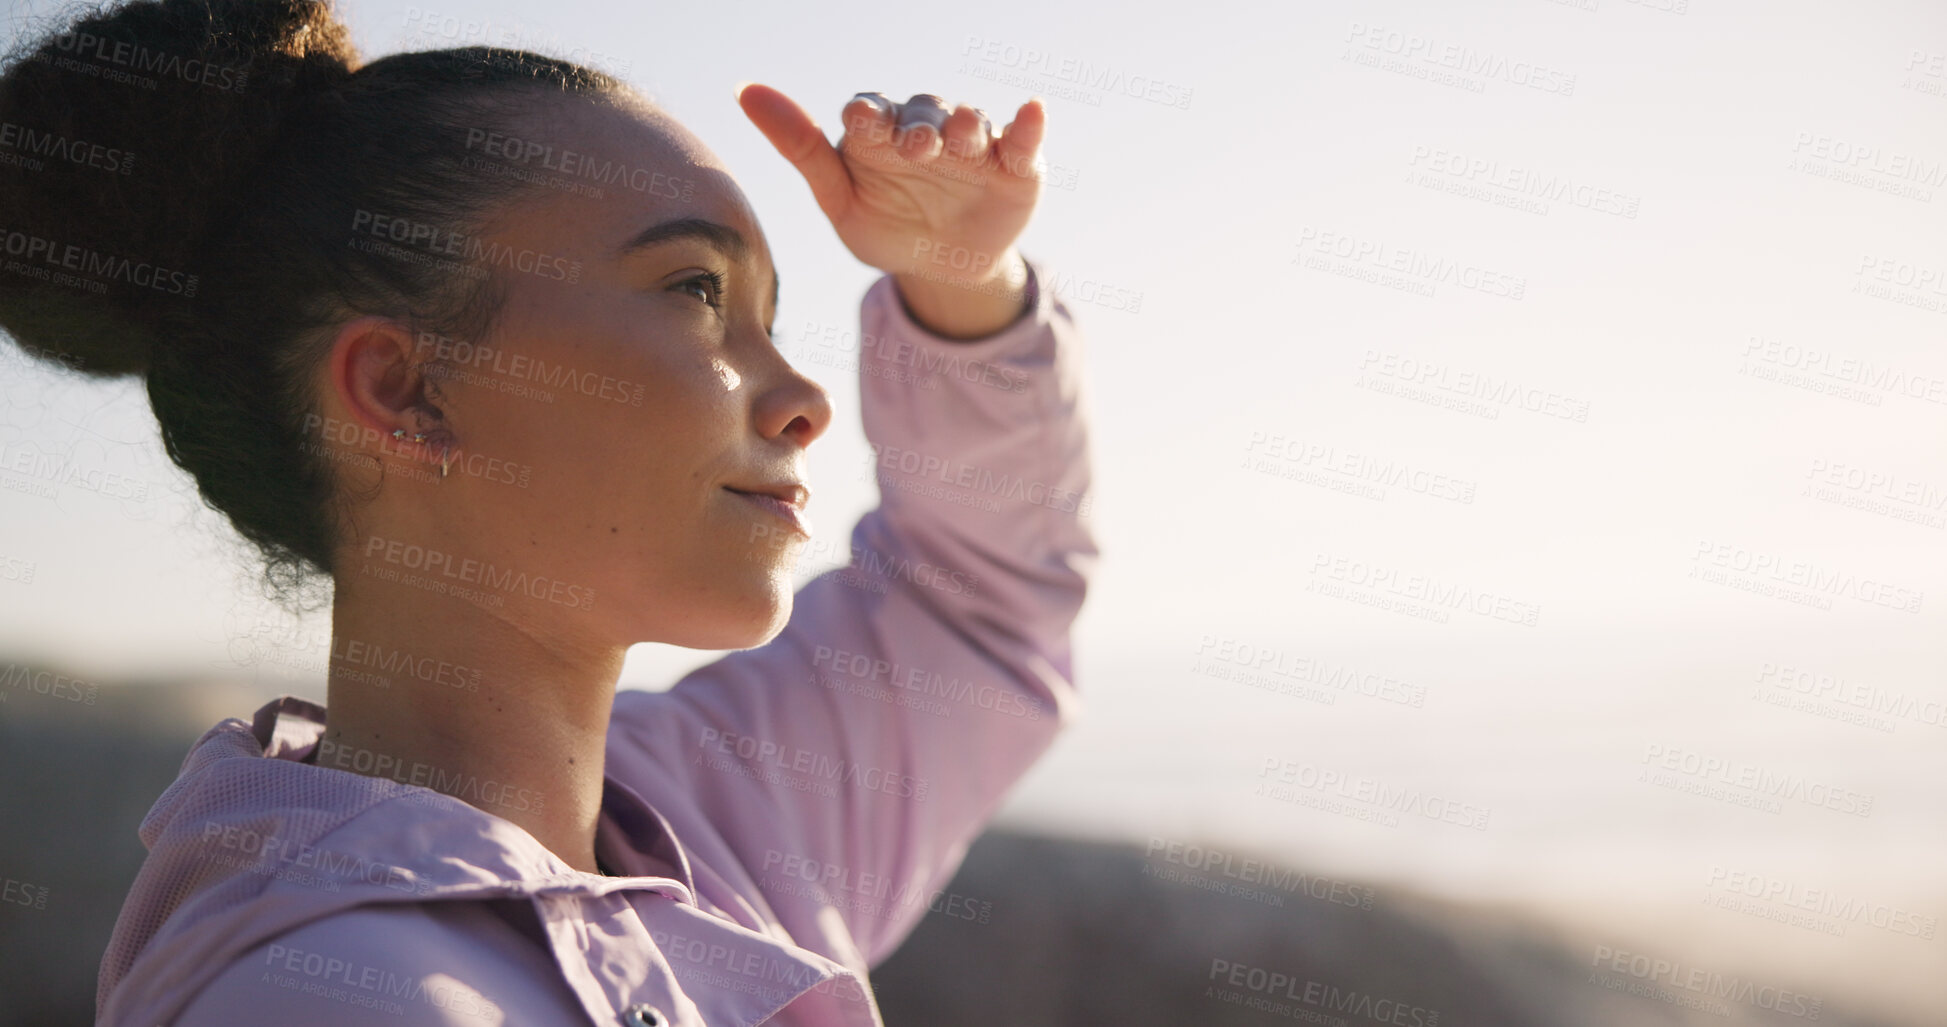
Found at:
[712, 282]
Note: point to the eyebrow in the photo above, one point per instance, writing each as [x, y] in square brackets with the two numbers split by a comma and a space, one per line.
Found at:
[723, 237]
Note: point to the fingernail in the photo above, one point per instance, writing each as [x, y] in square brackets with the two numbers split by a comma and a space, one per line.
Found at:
[877, 100]
[739, 91]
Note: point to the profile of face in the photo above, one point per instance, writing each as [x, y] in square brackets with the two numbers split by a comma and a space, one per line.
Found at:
[618, 423]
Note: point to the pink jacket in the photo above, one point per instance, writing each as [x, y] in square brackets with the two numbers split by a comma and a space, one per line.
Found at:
[785, 815]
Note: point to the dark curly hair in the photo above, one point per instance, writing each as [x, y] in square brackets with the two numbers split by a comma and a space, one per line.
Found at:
[206, 161]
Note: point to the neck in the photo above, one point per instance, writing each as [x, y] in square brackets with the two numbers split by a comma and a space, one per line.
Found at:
[435, 691]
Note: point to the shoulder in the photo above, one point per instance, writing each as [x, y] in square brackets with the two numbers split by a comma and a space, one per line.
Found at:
[404, 965]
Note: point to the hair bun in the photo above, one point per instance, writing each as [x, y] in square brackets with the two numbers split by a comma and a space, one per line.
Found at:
[124, 137]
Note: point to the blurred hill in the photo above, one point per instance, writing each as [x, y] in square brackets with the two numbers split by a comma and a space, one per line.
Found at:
[80, 765]
[1033, 930]
[1085, 933]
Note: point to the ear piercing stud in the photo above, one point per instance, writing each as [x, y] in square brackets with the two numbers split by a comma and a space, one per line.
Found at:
[445, 453]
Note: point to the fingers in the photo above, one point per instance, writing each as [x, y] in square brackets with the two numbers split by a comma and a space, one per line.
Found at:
[1020, 142]
[918, 127]
[870, 119]
[923, 130]
[964, 133]
[968, 134]
[799, 140]
[923, 109]
[910, 129]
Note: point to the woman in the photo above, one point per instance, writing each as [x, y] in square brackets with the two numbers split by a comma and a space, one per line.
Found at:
[485, 338]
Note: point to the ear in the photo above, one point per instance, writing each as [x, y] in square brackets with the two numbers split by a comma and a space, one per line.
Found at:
[377, 370]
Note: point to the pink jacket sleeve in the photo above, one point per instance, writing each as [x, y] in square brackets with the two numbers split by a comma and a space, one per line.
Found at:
[848, 763]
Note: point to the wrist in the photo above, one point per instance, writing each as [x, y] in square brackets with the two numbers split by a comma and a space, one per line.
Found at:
[964, 307]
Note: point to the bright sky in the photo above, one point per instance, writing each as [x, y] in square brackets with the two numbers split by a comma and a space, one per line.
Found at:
[1621, 315]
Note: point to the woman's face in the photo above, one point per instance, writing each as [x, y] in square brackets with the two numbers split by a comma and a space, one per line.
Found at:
[633, 393]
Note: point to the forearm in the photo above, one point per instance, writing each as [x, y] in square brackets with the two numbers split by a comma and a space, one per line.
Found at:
[980, 451]
[966, 307]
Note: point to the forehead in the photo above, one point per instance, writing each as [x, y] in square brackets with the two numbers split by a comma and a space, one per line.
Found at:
[604, 169]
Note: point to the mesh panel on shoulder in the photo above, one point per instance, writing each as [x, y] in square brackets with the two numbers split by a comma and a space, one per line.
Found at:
[206, 836]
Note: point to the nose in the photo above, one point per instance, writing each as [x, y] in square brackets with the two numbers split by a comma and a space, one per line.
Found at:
[797, 408]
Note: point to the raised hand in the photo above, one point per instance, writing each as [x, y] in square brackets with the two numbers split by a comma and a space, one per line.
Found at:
[932, 196]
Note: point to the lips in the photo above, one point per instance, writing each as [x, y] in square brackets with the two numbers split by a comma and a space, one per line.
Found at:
[784, 501]
[789, 493]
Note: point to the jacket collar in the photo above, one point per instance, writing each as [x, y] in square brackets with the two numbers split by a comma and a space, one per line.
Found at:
[631, 837]
[250, 842]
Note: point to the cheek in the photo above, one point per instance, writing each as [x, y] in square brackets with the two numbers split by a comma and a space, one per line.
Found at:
[646, 469]
[622, 414]
[606, 399]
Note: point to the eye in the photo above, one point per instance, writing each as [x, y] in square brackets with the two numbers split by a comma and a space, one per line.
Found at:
[709, 286]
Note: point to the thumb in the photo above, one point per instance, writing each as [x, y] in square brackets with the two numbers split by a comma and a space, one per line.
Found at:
[794, 135]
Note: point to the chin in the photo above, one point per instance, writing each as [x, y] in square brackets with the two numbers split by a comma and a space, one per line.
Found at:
[779, 614]
[750, 624]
